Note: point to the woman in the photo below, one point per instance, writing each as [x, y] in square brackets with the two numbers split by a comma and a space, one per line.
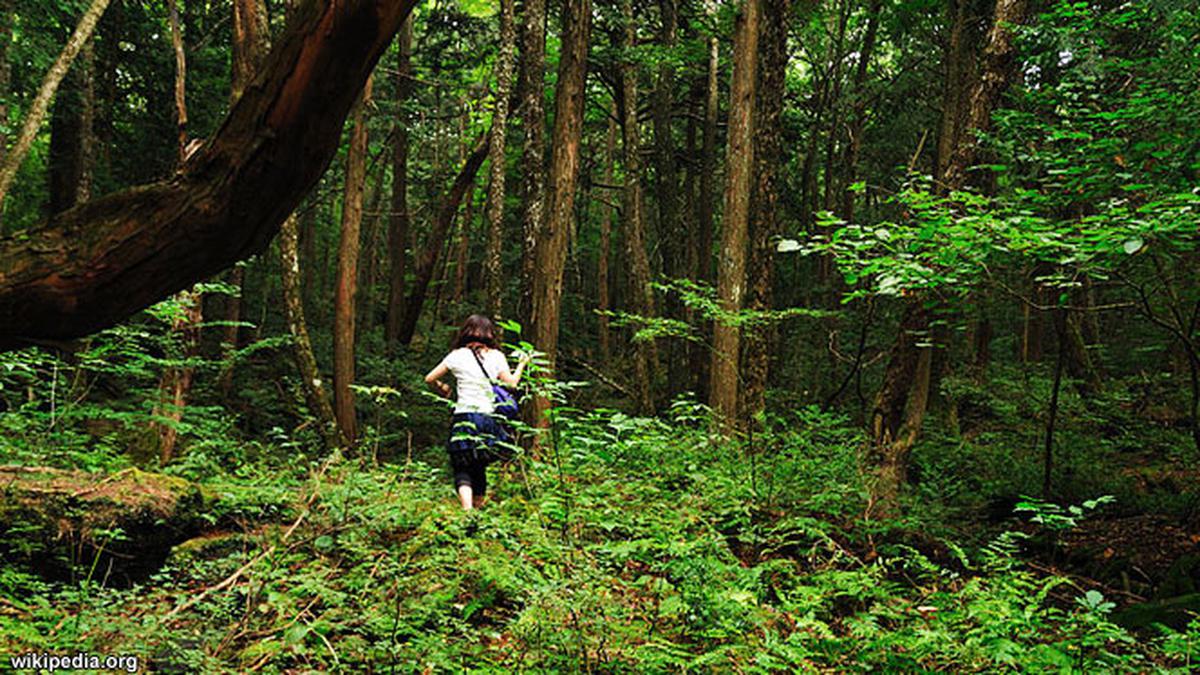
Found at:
[474, 360]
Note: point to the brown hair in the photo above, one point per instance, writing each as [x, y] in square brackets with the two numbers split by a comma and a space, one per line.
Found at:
[476, 332]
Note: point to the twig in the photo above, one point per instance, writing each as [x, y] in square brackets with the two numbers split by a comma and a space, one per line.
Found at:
[606, 380]
[228, 581]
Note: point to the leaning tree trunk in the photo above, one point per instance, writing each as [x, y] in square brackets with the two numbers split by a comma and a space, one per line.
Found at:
[495, 195]
[41, 102]
[551, 250]
[100, 262]
[302, 351]
[347, 283]
[640, 292]
[764, 203]
[443, 222]
[731, 263]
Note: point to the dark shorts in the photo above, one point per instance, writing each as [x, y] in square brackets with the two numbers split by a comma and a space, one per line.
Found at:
[472, 446]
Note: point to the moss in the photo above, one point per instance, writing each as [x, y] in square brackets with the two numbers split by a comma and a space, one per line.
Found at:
[132, 517]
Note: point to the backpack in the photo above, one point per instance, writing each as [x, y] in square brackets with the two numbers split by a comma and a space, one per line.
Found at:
[505, 403]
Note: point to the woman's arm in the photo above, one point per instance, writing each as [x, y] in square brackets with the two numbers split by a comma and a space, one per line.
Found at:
[512, 379]
[434, 380]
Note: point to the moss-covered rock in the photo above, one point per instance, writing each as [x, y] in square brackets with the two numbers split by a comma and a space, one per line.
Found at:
[118, 528]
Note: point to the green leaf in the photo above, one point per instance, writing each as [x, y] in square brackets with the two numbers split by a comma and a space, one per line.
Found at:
[1134, 245]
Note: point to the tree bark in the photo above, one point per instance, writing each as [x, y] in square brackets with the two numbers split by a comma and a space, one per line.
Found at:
[6, 30]
[100, 262]
[398, 223]
[346, 291]
[858, 115]
[672, 239]
[705, 199]
[551, 249]
[731, 262]
[603, 304]
[899, 408]
[764, 201]
[995, 73]
[41, 102]
[954, 85]
[176, 381]
[293, 311]
[533, 151]
[640, 293]
[907, 379]
[438, 237]
[250, 45]
[495, 196]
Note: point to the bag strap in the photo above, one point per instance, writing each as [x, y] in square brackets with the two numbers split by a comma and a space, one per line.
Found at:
[477, 360]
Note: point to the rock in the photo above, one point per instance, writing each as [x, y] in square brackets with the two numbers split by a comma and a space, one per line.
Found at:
[117, 528]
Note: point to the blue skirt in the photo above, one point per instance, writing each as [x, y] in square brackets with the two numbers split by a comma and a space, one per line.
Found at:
[474, 439]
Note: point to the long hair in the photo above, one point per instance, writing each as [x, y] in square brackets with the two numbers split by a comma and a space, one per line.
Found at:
[477, 331]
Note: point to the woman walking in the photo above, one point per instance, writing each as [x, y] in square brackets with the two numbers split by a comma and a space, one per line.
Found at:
[475, 360]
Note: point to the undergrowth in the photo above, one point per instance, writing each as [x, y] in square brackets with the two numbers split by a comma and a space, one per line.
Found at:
[628, 545]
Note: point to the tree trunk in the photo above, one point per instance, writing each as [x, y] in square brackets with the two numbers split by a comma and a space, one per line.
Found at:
[900, 408]
[250, 44]
[602, 281]
[302, 351]
[6, 33]
[906, 384]
[955, 83]
[705, 200]
[495, 196]
[858, 116]
[551, 249]
[640, 293]
[462, 249]
[438, 237]
[41, 102]
[176, 380]
[672, 239]
[764, 201]
[100, 262]
[533, 151]
[731, 263]
[64, 166]
[347, 284]
[994, 75]
[398, 222]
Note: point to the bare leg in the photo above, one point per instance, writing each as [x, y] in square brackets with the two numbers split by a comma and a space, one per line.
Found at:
[465, 496]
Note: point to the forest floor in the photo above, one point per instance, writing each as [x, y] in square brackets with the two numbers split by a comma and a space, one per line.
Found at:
[632, 545]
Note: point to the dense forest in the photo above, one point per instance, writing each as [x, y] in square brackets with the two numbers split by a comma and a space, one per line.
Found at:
[862, 335]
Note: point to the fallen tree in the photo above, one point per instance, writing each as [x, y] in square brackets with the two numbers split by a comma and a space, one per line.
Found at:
[100, 262]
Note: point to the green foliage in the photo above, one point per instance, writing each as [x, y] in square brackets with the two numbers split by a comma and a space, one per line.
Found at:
[633, 544]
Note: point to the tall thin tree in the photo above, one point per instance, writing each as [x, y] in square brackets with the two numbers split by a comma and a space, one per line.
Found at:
[495, 195]
[551, 247]
[731, 263]
[346, 290]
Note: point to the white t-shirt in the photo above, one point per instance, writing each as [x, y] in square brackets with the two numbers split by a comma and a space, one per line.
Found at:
[474, 390]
